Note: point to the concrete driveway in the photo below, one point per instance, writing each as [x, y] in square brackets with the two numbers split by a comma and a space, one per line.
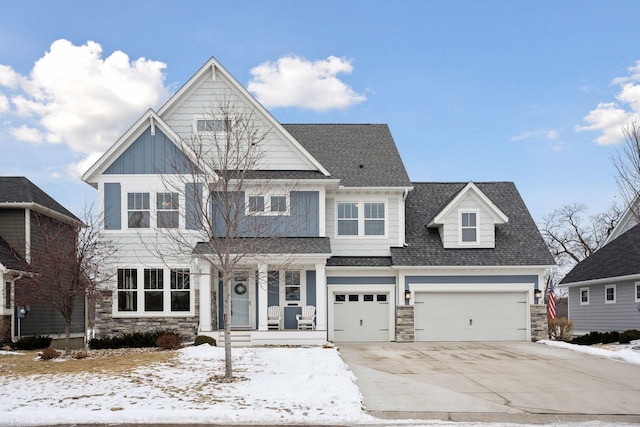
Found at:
[492, 382]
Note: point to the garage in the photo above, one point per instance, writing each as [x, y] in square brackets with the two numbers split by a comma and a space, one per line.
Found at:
[471, 316]
[361, 316]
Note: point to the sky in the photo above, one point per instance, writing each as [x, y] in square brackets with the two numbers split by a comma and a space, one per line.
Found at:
[531, 92]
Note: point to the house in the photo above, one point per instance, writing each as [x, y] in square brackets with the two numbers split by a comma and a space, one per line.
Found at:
[28, 219]
[379, 257]
[604, 289]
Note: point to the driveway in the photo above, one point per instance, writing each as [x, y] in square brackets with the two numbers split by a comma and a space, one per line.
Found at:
[492, 382]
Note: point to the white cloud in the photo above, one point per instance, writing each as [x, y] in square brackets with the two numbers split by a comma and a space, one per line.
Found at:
[296, 82]
[4, 104]
[553, 134]
[521, 136]
[27, 134]
[76, 97]
[609, 118]
[77, 169]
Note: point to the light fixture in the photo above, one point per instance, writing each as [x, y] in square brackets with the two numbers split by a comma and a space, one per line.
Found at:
[537, 294]
[407, 294]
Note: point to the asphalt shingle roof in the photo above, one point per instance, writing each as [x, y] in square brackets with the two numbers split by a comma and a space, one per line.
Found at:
[359, 261]
[10, 259]
[278, 245]
[518, 242]
[360, 155]
[18, 189]
[620, 257]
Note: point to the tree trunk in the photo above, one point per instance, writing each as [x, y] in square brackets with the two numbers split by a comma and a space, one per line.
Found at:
[67, 336]
[226, 318]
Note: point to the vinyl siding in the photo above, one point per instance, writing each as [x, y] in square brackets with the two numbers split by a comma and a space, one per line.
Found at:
[598, 316]
[450, 230]
[12, 229]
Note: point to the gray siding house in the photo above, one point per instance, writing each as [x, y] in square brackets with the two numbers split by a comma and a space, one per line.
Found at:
[26, 214]
[604, 289]
[379, 257]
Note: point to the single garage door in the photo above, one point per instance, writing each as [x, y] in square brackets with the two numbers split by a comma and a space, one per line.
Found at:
[462, 316]
[361, 317]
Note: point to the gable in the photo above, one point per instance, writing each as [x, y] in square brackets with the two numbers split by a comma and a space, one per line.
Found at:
[151, 153]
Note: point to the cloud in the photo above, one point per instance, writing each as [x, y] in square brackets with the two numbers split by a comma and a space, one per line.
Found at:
[77, 169]
[609, 118]
[4, 104]
[521, 136]
[75, 96]
[296, 82]
[553, 134]
[551, 138]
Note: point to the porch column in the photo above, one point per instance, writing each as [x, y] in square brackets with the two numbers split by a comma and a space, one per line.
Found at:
[203, 283]
[263, 296]
[321, 297]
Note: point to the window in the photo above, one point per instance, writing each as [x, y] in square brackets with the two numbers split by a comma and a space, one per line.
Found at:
[610, 294]
[584, 296]
[180, 295]
[354, 298]
[637, 291]
[210, 125]
[268, 205]
[292, 285]
[256, 204]
[374, 219]
[278, 204]
[367, 298]
[340, 298]
[127, 289]
[153, 286]
[168, 205]
[468, 227]
[7, 295]
[381, 297]
[138, 210]
[368, 221]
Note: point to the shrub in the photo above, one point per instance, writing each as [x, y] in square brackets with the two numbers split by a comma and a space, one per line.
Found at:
[561, 329]
[81, 355]
[36, 342]
[591, 338]
[169, 341]
[203, 339]
[49, 353]
[130, 340]
[610, 337]
[627, 336]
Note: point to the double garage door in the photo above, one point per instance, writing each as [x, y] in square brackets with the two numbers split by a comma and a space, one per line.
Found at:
[471, 316]
[361, 316]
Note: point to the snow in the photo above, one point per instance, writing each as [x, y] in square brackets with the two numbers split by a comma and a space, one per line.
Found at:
[625, 353]
[293, 385]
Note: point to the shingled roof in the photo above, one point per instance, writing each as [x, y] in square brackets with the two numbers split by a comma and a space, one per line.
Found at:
[620, 257]
[10, 258]
[360, 155]
[275, 245]
[18, 189]
[518, 242]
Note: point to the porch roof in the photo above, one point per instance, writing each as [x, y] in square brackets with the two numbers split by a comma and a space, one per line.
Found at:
[266, 245]
[359, 261]
[10, 259]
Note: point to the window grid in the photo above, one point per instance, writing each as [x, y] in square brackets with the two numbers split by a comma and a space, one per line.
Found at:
[168, 205]
[347, 219]
[180, 295]
[468, 227]
[584, 296]
[374, 219]
[138, 210]
[127, 289]
[637, 291]
[210, 125]
[292, 286]
[610, 294]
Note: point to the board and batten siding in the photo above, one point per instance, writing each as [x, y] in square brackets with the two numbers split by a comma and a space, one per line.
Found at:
[620, 316]
[364, 245]
[450, 230]
[277, 154]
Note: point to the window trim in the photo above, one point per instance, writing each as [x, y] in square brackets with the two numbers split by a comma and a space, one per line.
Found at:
[174, 210]
[461, 227]
[197, 119]
[637, 291]
[266, 208]
[134, 209]
[615, 296]
[361, 219]
[588, 296]
[282, 283]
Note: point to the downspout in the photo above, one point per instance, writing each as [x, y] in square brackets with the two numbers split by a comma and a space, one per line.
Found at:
[405, 194]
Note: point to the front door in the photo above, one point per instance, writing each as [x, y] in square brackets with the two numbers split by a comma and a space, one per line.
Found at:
[240, 302]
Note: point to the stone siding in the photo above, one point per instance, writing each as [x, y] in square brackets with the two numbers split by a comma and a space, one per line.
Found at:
[539, 326]
[405, 324]
[106, 325]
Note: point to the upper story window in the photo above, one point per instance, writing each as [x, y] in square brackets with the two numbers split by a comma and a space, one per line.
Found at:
[361, 218]
[138, 212]
[209, 125]
[637, 293]
[268, 205]
[610, 294]
[168, 205]
[584, 296]
[468, 227]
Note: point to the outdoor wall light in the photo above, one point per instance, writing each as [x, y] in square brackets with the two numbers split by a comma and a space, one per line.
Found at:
[407, 294]
[537, 294]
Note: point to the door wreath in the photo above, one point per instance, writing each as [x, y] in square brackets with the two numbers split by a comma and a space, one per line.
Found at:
[240, 289]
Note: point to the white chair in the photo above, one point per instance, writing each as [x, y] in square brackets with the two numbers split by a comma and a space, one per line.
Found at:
[274, 317]
[307, 320]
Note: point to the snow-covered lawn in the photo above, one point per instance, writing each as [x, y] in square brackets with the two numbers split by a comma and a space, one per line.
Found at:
[625, 353]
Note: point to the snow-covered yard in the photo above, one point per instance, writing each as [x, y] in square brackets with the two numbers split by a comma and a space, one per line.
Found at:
[279, 386]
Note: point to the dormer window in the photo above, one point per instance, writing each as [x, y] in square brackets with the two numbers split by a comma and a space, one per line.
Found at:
[468, 227]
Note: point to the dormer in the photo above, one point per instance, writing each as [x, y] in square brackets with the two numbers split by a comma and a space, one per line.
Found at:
[468, 220]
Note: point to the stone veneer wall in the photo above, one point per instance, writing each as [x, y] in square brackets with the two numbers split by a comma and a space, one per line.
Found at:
[405, 325]
[5, 329]
[105, 324]
[539, 326]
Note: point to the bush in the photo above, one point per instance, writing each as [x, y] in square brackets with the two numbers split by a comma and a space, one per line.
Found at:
[561, 329]
[81, 355]
[591, 338]
[130, 340]
[36, 342]
[49, 353]
[203, 339]
[169, 341]
[610, 337]
[627, 336]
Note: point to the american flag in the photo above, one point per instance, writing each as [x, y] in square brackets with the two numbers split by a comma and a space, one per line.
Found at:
[552, 300]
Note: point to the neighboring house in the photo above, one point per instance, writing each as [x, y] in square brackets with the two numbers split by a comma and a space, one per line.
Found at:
[26, 214]
[604, 289]
[381, 258]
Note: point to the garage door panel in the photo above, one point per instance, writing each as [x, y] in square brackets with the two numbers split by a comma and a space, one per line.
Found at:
[362, 319]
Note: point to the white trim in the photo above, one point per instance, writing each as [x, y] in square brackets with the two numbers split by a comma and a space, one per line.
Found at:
[600, 281]
[613, 301]
[636, 290]
[588, 296]
[267, 204]
[498, 216]
[475, 212]
[361, 219]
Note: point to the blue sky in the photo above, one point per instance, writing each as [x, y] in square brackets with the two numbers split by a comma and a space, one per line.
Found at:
[530, 92]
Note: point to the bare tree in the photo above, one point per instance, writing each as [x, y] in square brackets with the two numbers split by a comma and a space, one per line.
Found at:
[67, 263]
[231, 214]
[627, 164]
[573, 235]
